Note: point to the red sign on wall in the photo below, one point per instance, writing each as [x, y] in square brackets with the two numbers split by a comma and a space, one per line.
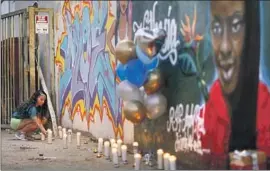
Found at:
[42, 24]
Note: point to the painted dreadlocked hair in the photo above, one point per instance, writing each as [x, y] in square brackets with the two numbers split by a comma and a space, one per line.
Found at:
[22, 108]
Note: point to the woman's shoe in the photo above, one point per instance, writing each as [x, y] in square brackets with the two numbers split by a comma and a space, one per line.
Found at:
[20, 136]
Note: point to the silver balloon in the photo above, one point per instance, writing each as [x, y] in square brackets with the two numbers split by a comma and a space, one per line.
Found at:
[142, 92]
[125, 102]
[128, 91]
[156, 105]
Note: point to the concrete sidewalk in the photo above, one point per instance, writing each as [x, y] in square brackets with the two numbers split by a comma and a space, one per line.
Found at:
[24, 155]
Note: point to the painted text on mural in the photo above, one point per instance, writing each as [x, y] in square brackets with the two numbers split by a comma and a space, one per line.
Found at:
[169, 24]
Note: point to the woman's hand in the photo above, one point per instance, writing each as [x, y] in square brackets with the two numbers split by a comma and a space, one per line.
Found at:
[41, 127]
[44, 132]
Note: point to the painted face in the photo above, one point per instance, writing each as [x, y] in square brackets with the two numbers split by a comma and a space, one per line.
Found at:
[41, 100]
[123, 6]
[228, 30]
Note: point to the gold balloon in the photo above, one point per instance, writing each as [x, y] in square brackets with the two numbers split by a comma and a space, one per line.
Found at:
[125, 51]
[154, 82]
[134, 111]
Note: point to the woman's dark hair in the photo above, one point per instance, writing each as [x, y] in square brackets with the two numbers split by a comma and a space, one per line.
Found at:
[22, 108]
[244, 109]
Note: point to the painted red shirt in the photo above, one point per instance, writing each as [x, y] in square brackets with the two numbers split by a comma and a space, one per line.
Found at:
[217, 121]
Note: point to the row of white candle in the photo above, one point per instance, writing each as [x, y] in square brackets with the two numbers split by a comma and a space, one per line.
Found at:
[166, 160]
[117, 150]
[67, 137]
[63, 131]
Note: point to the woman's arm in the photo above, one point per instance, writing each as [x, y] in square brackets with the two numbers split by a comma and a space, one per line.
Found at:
[44, 120]
[34, 115]
[39, 124]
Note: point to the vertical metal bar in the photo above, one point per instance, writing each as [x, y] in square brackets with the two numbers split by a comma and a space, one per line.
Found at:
[25, 54]
[9, 66]
[4, 74]
[20, 59]
[32, 46]
[2, 67]
[52, 56]
[37, 52]
[8, 70]
[5, 71]
[13, 68]
[7, 55]
[38, 61]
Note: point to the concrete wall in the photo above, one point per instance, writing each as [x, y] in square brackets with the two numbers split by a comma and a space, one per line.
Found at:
[87, 99]
[84, 56]
[101, 112]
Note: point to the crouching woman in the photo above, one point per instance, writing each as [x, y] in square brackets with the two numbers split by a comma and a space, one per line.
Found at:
[30, 116]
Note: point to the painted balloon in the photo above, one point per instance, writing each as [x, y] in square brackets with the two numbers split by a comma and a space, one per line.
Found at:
[134, 111]
[154, 82]
[128, 91]
[125, 51]
[156, 105]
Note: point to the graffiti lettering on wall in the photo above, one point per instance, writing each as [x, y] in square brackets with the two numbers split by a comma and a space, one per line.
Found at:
[88, 83]
[181, 121]
[169, 24]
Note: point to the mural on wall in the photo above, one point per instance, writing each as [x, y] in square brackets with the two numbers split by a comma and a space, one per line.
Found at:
[85, 55]
[168, 24]
[121, 26]
[206, 110]
[185, 40]
[238, 77]
[211, 78]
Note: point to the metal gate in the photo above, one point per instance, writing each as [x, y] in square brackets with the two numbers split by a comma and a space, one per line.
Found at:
[22, 49]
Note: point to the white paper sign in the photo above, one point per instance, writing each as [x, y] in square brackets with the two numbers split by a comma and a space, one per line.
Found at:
[42, 24]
